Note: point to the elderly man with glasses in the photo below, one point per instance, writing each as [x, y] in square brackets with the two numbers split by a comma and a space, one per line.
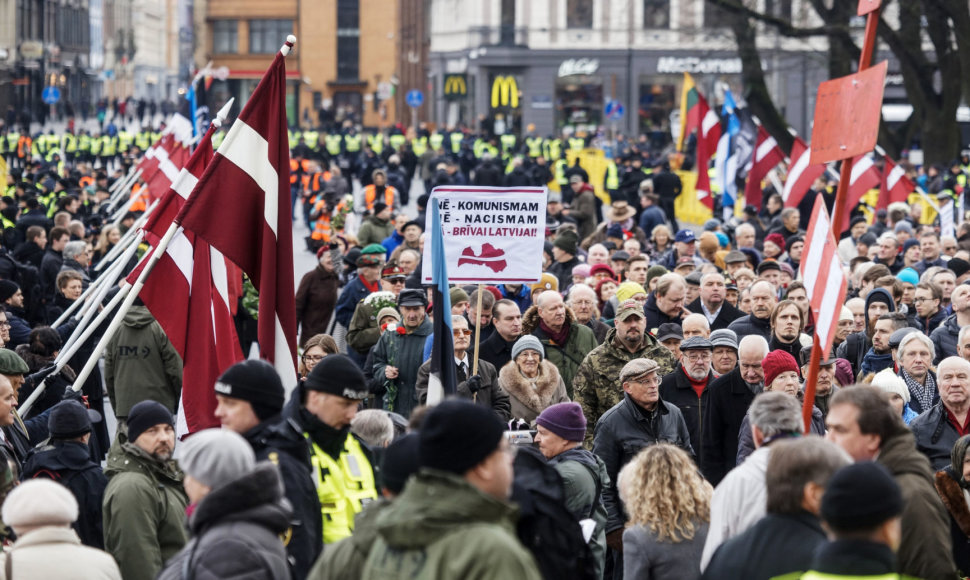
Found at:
[687, 386]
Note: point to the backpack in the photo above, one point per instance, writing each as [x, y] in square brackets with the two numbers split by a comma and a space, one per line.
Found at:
[546, 527]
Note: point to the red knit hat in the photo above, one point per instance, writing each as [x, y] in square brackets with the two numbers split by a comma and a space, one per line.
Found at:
[777, 362]
[776, 239]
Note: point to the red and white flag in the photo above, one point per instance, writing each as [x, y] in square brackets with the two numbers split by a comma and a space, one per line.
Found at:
[708, 134]
[170, 161]
[865, 176]
[241, 206]
[895, 185]
[822, 274]
[801, 174]
[767, 154]
[149, 163]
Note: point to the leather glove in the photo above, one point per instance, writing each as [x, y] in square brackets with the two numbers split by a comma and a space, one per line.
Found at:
[614, 540]
[31, 381]
[474, 383]
[72, 395]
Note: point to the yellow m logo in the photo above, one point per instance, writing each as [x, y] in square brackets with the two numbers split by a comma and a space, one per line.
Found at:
[455, 86]
[505, 92]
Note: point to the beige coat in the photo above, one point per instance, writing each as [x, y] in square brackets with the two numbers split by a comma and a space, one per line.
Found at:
[527, 402]
[56, 552]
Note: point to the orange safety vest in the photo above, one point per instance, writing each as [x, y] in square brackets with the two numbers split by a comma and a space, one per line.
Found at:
[86, 181]
[140, 197]
[370, 192]
[23, 146]
[294, 168]
[321, 227]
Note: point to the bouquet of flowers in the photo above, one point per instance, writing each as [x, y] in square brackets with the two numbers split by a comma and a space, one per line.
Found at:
[390, 385]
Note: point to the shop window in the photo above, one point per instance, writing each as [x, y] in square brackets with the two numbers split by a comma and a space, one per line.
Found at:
[225, 37]
[266, 36]
[348, 40]
[579, 13]
[656, 13]
[658, 98]
[579, 102]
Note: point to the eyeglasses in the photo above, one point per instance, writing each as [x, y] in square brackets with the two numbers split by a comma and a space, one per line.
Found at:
[698, 356]
[530, 354]
[583, 302]
[313, 358]
[461, 332]
[4, 324]
[922, 300]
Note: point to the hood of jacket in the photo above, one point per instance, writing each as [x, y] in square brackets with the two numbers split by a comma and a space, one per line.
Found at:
[588, 459]
[125, 457]
[138, 317]
[60, 456]
[435, 504]
[878, 292]
[531, 320]
[900, 456]
[256, 497]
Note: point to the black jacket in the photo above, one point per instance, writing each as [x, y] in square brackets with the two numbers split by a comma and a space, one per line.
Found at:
[725, 316]
[624, 431]
[750, 325]
[933, 322]
[495, 350]
[746, 438]
[727, 404]
[655, 316]
[935, 435]
[281, 441]
[677, 389]
[69, 463]
[793, 348]
[945, 338]
[50, 267]
[776, 545]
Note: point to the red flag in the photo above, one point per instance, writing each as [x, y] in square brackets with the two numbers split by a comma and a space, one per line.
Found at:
[865, 176]
[801, 175]
[822, 274]
[709, 131]
[170, 162]
[149, 163]
[241, 206]
[895, 185]
[766, 155]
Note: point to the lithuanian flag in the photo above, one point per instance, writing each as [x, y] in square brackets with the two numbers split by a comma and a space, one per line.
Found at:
[689, 119]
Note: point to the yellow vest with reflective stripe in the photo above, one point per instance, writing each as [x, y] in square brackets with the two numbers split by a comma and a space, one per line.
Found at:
[419, 146]
[344, 487]
[811, 575]
[352, 143]
[397, 141]
[333, 144]
[436, 140]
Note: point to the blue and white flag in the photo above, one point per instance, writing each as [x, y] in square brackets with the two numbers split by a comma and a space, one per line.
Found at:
[442, 379]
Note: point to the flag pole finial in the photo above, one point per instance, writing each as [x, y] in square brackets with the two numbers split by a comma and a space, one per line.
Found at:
[288, 45]
[223, 113]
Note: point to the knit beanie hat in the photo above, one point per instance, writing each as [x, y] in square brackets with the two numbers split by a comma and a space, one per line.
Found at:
[457, 435]
[146, 415]
[597, 268]
[337, 375]
[401, 461]
[708, 243]
[7, 289]
[581, 270]
[68, 420]
[567, 241]
[861, 496]
[777, 240]
[909, 244]
[959, 266]
[39, 502]
[457, 295]
[216, 457]
[628, 290]
[843, 373]
[528, 342]
[777, 362]
[564, 419]
[655, 272]
[891, 383]
[880, 295]
[392, 312]
[255, 381]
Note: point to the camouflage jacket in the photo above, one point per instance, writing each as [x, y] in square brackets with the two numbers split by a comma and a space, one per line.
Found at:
[597, 383]
[364, 331]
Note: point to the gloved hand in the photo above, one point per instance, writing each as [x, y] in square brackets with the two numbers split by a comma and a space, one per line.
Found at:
[474, 383]
[31, 381]
[72, 395]
[614, 540]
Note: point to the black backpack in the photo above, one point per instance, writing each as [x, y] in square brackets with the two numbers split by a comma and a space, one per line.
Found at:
[546, 527]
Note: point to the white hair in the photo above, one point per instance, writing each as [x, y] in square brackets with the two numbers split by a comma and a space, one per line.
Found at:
[754, 341]
[915, 336]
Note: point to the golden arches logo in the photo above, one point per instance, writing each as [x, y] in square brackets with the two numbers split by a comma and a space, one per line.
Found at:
[505, 92]
[455, 86]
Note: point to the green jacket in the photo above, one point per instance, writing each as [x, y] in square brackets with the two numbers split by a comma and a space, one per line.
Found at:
[567, 357]
[584, 477]
[140, 363]
[345, 560]
[442, 528]
[597, 386]
[143, 511]
[406, 353]
[363, 332]
[373, 231]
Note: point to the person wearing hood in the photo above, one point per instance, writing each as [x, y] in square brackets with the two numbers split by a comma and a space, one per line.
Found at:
[141, 364]
[453, 519]
[952, 483]
[855, 347]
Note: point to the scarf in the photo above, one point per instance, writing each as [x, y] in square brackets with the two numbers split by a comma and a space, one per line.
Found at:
[874, 362]
[330, 440]
[371, 286]
[924, 394]
[558, 338]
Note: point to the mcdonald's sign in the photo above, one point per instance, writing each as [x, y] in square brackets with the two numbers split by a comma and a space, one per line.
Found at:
[456, 86]
[505, 92]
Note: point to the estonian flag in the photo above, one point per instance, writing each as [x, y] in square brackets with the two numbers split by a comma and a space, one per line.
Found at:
[442, 381]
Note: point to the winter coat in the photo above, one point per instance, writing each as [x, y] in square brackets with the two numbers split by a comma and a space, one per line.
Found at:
[19, 329]
[857, 559]
[315, 301]
[935, 435]
[597, 385]
[491, 396]
[236, 531]
[778, 544]
[645, 556]
[725, 316]
[523, 298]
[945, 338]
[925, 549]
[143, 510]
[345, 560]
[569, 356]
[495, 350]
[655, 316]
[728, 399]
[353, 292]
[599, 328]
[403, 352]
[140, 364]
[69, 463]
[281, 441]
[584, 211]
[25, 435]
[373, 231]
[526, 401]
[442, 528]
[584, 477]
[676, 389]
[622, 432]
[56, 384]
[933, 322]
[955, 501]
[50, 267]
[56, 552]
[746, 438]
[563, 271]
[363, 332]
[750, 324]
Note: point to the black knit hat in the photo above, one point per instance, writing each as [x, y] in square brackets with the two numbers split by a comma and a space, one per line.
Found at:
[860, 497]
[457, 435]
[400, 462]
[255, 381]
[337, 375]
[146, 415]
[7, 289]
[68, 420]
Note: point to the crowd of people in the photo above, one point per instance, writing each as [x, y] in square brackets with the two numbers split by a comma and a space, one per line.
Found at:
[635, 413]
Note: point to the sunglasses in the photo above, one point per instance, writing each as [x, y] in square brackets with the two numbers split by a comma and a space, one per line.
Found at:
[461, 332]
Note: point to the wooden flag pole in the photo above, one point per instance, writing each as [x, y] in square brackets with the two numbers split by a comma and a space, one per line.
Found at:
[478, 336]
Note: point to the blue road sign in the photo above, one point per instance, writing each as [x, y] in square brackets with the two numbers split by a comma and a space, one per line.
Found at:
[614, 110]
[414, 98]
[51, 95]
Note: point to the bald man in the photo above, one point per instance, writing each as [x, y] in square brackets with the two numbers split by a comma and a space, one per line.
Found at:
[937, 429]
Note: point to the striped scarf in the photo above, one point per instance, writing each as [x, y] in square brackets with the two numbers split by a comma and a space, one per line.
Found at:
[924, 395]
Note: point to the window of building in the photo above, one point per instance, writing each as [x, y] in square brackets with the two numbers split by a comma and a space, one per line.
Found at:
[267, 36]
[225, 36]
[715, 16]
[348, 39]
[579, 13]
[656, 13]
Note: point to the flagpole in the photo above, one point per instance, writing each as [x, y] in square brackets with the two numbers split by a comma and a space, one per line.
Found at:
[104, 281]
[119, 193]
[478, 334]
[122, 244]
[92, 307]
